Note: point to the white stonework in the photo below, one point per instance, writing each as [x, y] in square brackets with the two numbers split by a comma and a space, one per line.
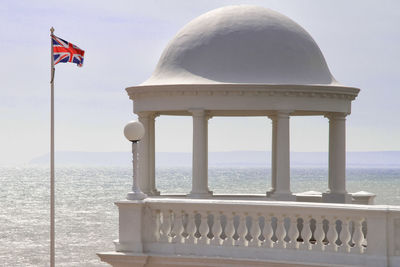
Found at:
[249, 61]
[242, 44]
[200, 152]
[280, 169]
[244, 61]
[205, 232]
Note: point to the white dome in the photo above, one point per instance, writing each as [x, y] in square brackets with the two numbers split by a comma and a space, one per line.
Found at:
[242, 44]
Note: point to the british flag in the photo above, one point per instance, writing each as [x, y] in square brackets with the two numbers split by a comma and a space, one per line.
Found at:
[64, 51]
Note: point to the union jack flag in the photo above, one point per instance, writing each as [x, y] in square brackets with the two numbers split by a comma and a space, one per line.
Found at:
[64, 52]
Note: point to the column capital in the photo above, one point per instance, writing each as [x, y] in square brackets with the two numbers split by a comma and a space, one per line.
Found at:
[336, 115]
[147, 114]
[199, 112]
[280, 114]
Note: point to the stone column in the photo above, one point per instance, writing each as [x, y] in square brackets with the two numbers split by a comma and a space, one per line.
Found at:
[337, 160]
[200, 155]
[280, 158]
[144, 181]
[152, 156]
[273, 157]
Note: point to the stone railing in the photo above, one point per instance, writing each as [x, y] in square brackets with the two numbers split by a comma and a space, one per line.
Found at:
[293, 232]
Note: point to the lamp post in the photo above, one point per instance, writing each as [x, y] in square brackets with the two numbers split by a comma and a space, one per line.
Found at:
[134, 131]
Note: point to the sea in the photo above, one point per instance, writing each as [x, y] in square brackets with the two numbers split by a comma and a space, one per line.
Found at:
[87, 219]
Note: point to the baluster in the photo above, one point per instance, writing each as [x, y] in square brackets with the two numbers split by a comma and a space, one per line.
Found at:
[293, 232]
[178, 227]
[280, 232]
[229, 230]
[255, 230]
[332, 235]
[358, 237]
[319, 234]
[157, 226]
[165, 226]
[345, 236]
[203, 228]
[306, 234]
[242, 231]
[217, 229]
[364, 228]
[268, 232]
[191, 229]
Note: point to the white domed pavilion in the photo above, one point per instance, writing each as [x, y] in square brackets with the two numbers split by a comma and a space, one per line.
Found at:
[248, 61]
[244, 61]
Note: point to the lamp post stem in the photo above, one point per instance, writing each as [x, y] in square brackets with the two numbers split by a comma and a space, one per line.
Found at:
[135, 166]
[136, 193]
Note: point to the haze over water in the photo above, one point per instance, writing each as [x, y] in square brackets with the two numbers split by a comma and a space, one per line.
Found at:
[87, 219]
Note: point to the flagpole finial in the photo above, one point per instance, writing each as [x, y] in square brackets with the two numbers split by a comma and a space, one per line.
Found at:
[52, 30]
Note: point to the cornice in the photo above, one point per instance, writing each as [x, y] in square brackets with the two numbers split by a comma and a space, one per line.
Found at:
[245, 90]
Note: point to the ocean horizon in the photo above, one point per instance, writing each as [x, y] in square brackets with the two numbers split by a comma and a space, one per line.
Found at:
[250, 158]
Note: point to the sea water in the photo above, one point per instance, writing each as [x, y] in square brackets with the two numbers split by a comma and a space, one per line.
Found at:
[87, 219]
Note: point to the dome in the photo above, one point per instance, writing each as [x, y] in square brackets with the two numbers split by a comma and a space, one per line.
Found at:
[243, 45]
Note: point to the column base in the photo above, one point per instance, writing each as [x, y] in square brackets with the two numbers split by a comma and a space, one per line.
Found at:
[151, 192]
[154, 192]
[270, 192]
[281, 196]
[200, 195]
[136, 195]
[336, 198]
[363, 197]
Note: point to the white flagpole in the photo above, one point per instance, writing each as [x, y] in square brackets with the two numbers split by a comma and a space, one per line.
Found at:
[52, 210]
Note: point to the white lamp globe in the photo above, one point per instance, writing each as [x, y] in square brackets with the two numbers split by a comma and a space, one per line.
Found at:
[134, 131]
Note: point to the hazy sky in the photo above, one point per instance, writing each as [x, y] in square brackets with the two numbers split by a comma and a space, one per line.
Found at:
[123, 41]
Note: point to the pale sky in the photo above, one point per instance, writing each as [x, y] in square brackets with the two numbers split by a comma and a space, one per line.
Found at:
[123, 41]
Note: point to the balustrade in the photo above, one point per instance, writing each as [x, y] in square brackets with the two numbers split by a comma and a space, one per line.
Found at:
[207, 227]
[217, 228]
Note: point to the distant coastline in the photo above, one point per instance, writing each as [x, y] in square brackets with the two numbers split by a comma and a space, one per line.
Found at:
[372, 159]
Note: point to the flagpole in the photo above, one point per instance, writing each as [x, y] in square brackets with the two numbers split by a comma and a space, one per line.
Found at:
[52, 210]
